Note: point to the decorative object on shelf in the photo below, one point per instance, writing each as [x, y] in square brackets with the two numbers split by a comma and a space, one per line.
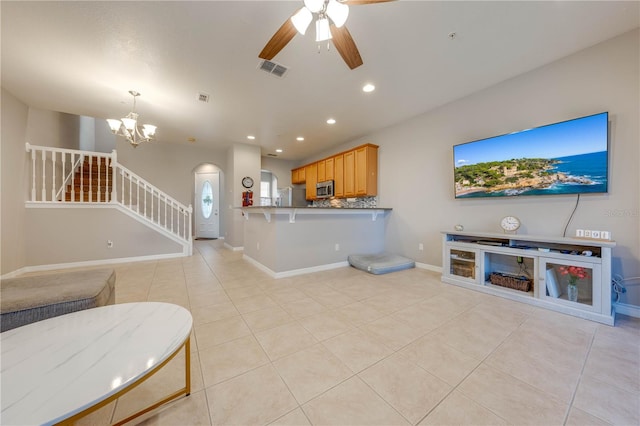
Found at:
[573, 273]
[459, 227]
[127, 127]
[247, 182]
[510, 224]
[515, 282]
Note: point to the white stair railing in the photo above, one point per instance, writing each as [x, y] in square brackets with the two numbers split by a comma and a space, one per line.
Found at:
[55, 180]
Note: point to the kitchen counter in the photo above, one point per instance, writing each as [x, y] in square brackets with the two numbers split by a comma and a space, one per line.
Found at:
[286, 241]
[292, 212]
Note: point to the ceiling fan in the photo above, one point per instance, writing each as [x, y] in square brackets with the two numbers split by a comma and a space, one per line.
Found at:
[330, 18]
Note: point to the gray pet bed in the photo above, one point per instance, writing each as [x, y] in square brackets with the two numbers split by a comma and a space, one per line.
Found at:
[382, 263]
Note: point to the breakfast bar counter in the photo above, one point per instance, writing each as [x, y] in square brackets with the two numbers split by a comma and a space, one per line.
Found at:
[285, 241]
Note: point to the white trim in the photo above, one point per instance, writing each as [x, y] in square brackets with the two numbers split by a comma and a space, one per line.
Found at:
[89, 263]
[626, 309]
[429, 267]
[294, 272]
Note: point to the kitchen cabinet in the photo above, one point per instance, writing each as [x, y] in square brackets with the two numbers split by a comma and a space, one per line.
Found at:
[500, 264]
[311, 178]
[354, 172]
[338, 175]
[329, 169]
[322, 170]
[350, 174]
[366, 170]
[298, 175]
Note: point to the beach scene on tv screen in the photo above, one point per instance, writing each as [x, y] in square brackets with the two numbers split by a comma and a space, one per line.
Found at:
[562, 158]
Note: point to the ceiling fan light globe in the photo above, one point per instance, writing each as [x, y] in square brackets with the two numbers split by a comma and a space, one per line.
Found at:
[302, 19]
[322, 30]
[338, 12]
[314, 6]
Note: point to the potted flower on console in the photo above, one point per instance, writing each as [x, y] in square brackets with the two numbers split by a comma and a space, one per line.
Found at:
[573, 273]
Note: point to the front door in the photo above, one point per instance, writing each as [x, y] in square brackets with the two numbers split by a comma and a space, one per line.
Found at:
[207, 205]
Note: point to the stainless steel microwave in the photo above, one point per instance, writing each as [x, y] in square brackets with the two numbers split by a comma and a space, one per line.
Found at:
[324, 189]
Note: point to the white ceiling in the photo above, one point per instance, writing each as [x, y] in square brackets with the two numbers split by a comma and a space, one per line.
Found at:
[83, 57]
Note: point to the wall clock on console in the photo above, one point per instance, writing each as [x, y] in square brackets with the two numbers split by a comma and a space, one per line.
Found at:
[510, 224]
[247, 182]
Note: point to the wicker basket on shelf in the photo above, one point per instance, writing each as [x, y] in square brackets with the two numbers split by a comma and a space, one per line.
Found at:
[511, 281]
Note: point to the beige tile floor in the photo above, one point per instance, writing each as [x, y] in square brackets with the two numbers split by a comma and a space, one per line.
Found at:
[343, 347]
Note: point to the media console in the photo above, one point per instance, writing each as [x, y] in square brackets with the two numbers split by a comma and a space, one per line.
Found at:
[529, 269]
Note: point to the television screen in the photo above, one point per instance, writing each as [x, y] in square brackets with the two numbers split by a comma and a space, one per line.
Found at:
[570, 157]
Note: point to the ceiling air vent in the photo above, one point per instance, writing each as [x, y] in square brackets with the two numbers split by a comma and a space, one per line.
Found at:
[203, 97]
[273, 68]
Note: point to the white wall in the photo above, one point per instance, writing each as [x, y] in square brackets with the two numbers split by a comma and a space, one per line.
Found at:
[243, 160]
[51, 128]
[13, 181]
[280, 168]
[602, 78]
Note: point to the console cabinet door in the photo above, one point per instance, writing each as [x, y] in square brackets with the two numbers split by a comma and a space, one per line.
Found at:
[329, 169]
[366, 171]
[322, 170]
[462, 263]
[554, 279]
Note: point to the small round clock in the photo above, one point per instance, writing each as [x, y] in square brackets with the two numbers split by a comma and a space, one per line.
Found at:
[510, 223]
[247, 182]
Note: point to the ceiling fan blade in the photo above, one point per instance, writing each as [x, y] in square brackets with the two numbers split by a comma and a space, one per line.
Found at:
[279, 40]
[345, 45]
[359, 2]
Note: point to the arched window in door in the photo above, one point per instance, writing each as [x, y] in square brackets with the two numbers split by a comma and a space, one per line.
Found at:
[207, 199]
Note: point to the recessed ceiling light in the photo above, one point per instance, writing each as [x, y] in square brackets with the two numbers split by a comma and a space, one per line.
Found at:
[251, 137]
[299, 138]
[278, 150]
[331, 121]
[368, 88]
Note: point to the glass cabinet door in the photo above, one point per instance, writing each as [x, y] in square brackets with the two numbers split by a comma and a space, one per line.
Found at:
[570, 282]
[462, 263]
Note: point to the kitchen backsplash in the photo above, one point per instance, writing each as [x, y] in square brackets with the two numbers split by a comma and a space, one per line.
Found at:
[353, 203]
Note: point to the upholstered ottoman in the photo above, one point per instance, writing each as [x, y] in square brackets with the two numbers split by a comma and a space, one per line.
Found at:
[24, 300]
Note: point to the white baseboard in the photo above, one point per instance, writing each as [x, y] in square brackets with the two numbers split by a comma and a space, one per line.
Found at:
[626, 309]
[294, 272]
[91, 263]
[429, 267]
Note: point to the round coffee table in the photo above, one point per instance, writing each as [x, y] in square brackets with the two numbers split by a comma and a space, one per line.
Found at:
[63, 368]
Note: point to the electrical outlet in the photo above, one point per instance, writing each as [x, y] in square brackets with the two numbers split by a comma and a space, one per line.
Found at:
[605, 235]
[595, 234]
[587, 233]
[579, 232]
[420, 246]
[337, 247]
[109, 244]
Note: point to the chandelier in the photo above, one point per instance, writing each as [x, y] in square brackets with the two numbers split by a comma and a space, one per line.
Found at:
[127, 127]
[325, 10]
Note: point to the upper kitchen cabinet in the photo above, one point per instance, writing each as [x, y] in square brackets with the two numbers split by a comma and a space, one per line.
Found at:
[322, 170]
[298, 175]
[311, 178]
[366, 170]
[354, 172]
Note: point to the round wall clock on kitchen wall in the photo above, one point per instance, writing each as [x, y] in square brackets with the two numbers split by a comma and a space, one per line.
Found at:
[247, 182]
[510, 224]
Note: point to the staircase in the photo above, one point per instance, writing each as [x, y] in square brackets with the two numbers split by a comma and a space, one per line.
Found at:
[65, 178]
[92, 181]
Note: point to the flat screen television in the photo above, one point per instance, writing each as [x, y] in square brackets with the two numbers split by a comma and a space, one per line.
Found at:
[569, 157]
